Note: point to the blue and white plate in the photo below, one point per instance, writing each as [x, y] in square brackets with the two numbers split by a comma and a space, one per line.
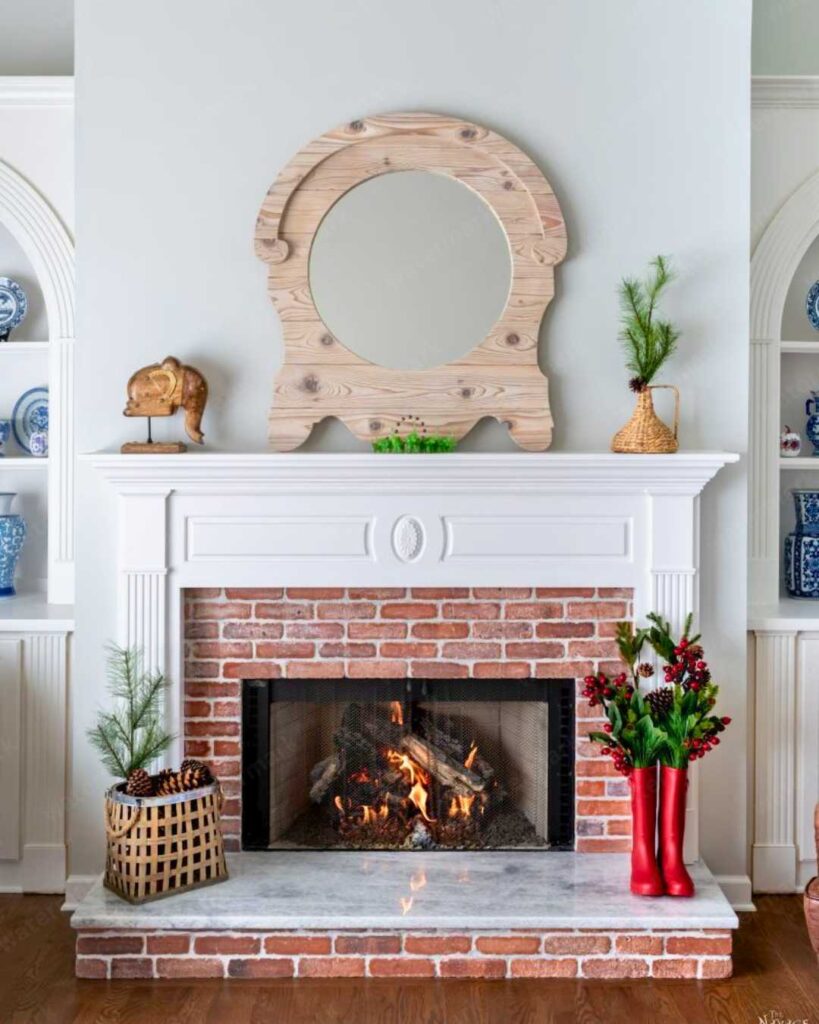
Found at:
[13, 305]
[30, 416]
[812, 305]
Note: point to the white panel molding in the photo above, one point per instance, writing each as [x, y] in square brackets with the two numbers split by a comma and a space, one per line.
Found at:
[46, 242]
[784, 91]
[40, 864]
[36, 91]
[738, 892]
[763, 469]
[11, 686]
[807, 758]
[774, 845]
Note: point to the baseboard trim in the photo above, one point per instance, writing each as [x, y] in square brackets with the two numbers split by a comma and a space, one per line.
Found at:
[737, 890]
[77, 888]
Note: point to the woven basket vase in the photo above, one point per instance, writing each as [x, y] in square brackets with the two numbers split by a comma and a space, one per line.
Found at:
[645, 432]
[162, 845]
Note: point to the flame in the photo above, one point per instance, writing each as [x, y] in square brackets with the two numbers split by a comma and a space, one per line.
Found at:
[419, 796]
[415, 773]
[461, 806]
[369, 814]
[396, 712]
[338, 803]
[362, 775]
[418, 880]
[406, 903]
[470, 757]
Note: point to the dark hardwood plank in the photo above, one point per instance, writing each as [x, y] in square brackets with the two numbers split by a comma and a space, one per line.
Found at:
[775, 969]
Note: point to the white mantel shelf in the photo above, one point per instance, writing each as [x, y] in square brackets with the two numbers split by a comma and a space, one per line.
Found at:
[682, 473]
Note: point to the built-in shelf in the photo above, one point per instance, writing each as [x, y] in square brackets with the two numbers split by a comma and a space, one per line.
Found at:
[9, 347]
[800, 614]
[800, 347]
[31, 613]
[16, 462]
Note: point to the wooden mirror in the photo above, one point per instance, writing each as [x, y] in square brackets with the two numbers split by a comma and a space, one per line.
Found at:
[435, 233]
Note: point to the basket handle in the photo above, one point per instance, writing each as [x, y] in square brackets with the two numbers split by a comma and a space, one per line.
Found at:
[675, 389]
[118, 833]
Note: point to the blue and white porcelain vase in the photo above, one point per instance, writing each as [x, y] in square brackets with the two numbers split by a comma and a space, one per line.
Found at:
[802, 546]
[812, 425]
[12, 535]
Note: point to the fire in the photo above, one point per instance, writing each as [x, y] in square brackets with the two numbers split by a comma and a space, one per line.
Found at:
[419, 796]
[415, 773]
[406, 903]
[396, 712]
[470, 757]
[418, 880]
[461, 806]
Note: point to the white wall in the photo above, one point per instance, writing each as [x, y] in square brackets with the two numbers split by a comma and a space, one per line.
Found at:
[38, 37]
[786, 37]
[640, 122]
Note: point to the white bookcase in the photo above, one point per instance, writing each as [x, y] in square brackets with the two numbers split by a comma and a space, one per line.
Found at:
[784, 369]
[36, 180]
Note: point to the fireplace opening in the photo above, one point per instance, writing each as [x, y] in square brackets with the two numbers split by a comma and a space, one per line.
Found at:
[407, 764]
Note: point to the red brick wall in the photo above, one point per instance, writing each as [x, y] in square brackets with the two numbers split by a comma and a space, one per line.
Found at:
[477, 632]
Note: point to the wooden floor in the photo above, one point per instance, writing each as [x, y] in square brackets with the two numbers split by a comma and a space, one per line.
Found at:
[776, 974]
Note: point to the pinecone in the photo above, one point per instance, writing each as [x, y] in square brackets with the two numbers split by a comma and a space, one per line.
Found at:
[660, 700]
[168, 782]
[645, 669]
[192, 762]
[139, 783]
[195, 777]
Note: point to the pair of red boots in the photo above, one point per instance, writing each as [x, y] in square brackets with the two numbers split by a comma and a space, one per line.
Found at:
[658, 870]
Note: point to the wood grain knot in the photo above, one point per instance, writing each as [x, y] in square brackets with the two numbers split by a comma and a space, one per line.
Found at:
[468, 133]
[356, 126]
[375, 426]
[310, 383]
[512, 339]
[466, 392]
[327, 340]
[508, 185]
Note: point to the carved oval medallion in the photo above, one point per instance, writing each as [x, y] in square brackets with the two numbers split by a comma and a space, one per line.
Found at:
[408, 538]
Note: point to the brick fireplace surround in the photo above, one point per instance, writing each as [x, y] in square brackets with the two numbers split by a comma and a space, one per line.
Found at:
[392, 633]
[404, 567]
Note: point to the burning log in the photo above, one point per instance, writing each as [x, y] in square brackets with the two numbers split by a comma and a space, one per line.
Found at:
[442, 732]
[323, 775]
[441, 766]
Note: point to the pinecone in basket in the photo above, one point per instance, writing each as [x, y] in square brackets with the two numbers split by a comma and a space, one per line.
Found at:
[660, 700]
[139, 783]
[191, 762]
[168, 782]
[195, 777]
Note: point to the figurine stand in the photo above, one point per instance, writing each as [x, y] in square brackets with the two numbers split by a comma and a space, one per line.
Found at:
[151, 447]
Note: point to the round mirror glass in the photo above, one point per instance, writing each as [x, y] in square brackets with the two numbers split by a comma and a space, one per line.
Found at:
[410, 269]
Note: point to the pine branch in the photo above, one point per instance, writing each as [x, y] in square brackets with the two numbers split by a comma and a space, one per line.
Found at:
[648, 342]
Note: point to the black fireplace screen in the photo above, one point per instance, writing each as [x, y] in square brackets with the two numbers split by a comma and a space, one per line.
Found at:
[414, 764]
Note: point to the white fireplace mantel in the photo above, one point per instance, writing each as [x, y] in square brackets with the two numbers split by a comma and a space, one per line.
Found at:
[266, 520]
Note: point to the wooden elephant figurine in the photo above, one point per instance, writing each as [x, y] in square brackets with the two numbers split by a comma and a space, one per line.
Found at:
[162, 388]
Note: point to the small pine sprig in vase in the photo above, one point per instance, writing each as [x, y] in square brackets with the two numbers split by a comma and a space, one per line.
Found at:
[130, 736]
[649, 342]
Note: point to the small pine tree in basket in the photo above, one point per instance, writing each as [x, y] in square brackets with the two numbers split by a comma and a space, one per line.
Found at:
[131, 736]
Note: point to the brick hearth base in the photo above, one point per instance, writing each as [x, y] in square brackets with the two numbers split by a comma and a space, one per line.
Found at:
[410, 954]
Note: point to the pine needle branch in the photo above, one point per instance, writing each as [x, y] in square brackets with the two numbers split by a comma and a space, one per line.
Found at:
[648, 342]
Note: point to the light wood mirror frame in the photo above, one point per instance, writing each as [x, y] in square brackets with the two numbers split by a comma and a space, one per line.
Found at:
[500, 377]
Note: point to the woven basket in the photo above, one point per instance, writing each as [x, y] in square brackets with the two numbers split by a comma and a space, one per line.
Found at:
[162, 845]
[645, 432]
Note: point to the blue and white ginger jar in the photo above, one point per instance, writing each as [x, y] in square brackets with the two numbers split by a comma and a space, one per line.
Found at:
[12, 535]
[802, 546]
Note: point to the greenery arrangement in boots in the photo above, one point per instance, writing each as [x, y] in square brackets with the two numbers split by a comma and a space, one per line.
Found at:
[631, 736]
[670, 725]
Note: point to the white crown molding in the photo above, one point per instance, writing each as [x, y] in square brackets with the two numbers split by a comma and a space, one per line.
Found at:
[36, 91]
[587, 472]
[784, 91]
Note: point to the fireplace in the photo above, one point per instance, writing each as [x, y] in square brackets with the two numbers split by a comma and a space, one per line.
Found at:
[407, 764]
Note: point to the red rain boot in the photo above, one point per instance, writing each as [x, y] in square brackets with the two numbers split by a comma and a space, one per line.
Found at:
[645, 876]
[673, 786]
